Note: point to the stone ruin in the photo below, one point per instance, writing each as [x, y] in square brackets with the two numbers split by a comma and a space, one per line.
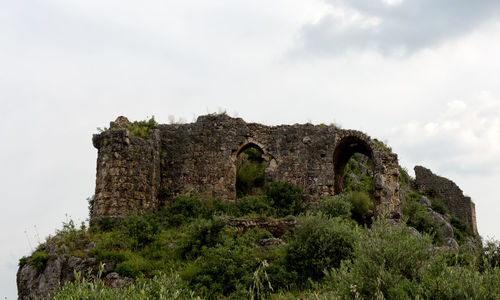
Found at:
[136, 173]
[457, 203]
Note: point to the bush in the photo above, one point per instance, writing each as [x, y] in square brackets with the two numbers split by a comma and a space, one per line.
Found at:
[319, 243]
[221, 270]
[127, 269]
[420, 219]
[105, 224]
[491, 253]
[361, 205]
[254, 205]
[250, 173]
[387, 262]
[460, 230]
[116, 256]
[438, 206]
[200, 234]
[358, 175]
[39, 260]
[285, 197]
[182, 209]
[459, 281]
[141, 128]
[161, 286]
[142, 229]
[23, 261]
[336, 206]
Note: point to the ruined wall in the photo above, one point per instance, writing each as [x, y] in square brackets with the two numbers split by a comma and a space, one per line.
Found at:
[128, 173]
[459, 205]
[201, 158]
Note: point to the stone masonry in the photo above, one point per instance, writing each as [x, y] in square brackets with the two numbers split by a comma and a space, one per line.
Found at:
[459, 205]
[140, 174]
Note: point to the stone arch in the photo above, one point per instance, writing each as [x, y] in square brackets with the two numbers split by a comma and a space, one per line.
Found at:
[385, 163]
[251, 144]
[347, 145]
[266, 158]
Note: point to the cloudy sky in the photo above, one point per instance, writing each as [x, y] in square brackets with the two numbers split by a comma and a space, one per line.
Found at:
[420, 74]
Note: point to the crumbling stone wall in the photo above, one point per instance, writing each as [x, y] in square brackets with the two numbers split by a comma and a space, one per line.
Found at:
[128, 173]
[459, 205]
[135, 173]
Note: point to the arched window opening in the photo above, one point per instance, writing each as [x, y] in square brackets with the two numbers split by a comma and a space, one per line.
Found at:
[350, 148]
[250, 171]
[354, 172]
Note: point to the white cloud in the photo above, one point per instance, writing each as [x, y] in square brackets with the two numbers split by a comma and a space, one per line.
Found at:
[394, 27]
[465, 137]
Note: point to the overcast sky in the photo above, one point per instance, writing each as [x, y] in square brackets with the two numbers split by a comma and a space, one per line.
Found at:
[421, 74]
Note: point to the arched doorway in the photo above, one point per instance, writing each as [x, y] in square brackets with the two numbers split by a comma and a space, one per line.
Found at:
[251, 166]
[346, 148]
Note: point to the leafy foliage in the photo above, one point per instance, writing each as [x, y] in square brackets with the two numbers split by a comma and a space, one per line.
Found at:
[250, 174]
[337, 206]
[461, 231]
[420, 219]
[319, 243]
[221, 269]
[201, 234]
[39, 260]
[358, 175]
[285, 197]
[361, 204]
[164, 285]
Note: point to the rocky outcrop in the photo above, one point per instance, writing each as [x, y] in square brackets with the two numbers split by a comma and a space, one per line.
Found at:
[457, 203]
[35, 283]
[444, 223]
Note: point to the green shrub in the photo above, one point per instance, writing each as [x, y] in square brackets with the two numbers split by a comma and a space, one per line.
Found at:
[105, 224]
[254, 205]
[127, 269]
[336, 206]
[162, 286]
[142, 229]
[442, 281]
[250, 173]
[319, 243]
[285, 197]
[361, 205]
[116, 256]
[420, 219]
[491, 253]
[405, 180]
[387, 261]
[141, 128]
[460, 230]
[357, 175]
[438, 206]
[412, 196]
[382, 145]
[182, 209]
[222, 269]
[431, 193]
[200, 234]
[39, 260]
[23, 261]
